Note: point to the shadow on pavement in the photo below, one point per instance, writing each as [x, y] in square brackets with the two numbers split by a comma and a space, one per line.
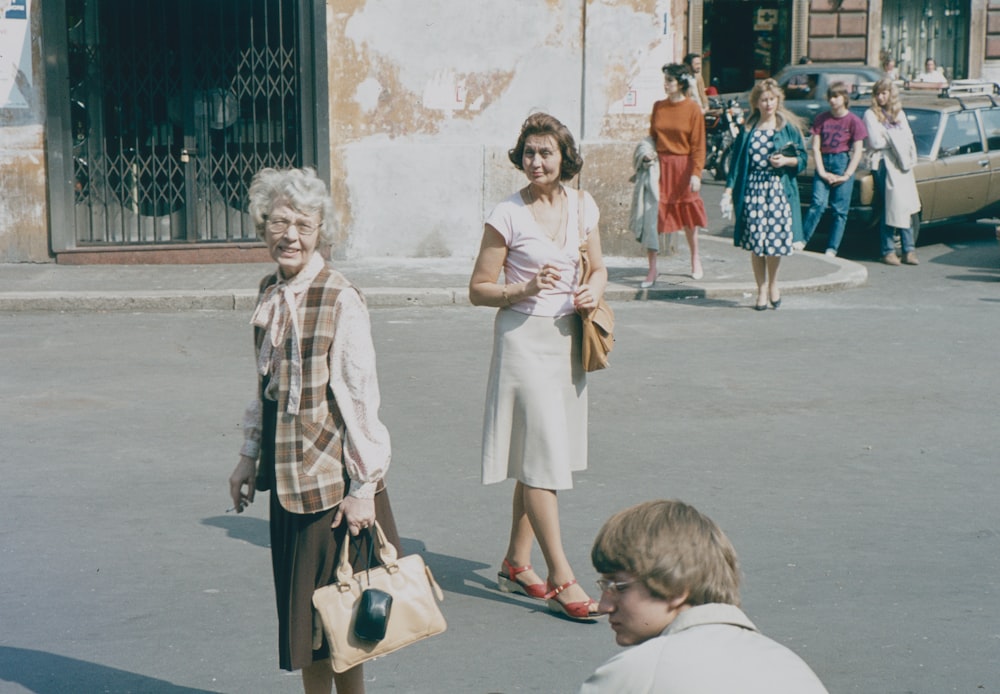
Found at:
[458, 575]
[977, 277]
[48, 673]
[694, 297]
[253, 530]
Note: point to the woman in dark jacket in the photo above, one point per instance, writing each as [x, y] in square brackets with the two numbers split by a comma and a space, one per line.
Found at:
[769, 154]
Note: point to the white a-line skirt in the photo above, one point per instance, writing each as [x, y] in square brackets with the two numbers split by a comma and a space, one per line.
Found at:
[535, 427]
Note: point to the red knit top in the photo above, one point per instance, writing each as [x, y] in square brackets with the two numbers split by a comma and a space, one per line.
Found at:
[678, 127]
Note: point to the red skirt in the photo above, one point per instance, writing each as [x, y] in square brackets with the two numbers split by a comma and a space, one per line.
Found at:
[680, 208]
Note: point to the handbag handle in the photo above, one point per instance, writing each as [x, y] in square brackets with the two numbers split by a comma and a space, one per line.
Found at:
[584, 257]
[386, 555]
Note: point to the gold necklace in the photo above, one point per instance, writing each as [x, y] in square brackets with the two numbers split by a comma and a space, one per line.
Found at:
[547, 227]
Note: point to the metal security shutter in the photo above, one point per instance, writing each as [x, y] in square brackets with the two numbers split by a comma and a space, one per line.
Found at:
[173, 106]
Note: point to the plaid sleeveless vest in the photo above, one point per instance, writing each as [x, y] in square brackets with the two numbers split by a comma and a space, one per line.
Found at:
[308, 447]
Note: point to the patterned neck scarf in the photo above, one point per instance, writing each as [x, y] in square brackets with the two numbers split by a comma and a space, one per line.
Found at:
[276, 311]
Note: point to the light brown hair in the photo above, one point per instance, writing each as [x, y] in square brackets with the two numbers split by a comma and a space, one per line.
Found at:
[838, 89]
[889, 114]
[672, 548]
[783, 115]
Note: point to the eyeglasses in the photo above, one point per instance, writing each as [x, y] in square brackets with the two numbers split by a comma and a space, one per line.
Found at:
[279, 226]
[613, 587]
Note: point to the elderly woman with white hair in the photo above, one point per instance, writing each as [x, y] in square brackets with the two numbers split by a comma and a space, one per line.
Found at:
[312, 435]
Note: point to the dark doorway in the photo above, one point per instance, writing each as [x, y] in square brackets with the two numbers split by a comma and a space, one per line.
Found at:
[746, 41]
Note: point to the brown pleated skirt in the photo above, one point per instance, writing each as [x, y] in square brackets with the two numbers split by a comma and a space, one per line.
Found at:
[304, 554]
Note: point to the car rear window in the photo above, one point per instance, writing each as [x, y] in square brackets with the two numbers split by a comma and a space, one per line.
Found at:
[851, 79]
[924, 125]
[991, 121]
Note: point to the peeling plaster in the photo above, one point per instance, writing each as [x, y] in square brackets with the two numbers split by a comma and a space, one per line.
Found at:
[425, 99]
[411, 212]
[368, 94]
[630, 50]
[23, 215]
[428, 37]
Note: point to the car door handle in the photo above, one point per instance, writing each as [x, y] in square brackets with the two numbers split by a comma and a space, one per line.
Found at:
[983, 162]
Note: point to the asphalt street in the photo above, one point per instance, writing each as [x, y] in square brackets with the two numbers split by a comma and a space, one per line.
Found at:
[846, 442]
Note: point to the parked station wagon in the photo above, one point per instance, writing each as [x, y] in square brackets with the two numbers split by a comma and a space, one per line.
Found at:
[957, 133]
[805, 86]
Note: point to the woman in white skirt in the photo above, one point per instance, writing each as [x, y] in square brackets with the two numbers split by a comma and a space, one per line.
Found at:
[535, 427]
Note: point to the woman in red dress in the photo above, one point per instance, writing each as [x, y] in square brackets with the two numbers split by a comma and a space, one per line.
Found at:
[677, 126]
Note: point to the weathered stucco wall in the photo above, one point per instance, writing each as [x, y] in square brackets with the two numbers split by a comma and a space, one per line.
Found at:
[23, 225]
[426, 98]
[23, 215]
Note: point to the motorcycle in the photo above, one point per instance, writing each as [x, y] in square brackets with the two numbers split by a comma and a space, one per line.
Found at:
[722, 124]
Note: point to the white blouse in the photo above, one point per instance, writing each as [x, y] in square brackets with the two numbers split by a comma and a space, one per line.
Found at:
[528, 248]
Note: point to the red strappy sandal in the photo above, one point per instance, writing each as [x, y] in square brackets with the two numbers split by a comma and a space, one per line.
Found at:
[582, 611]
[508, 582]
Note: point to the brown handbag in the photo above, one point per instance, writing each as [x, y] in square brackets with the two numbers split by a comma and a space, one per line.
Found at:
[411, 614]
[598, 322]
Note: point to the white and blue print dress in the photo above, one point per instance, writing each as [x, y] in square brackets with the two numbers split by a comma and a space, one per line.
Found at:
[767, 216]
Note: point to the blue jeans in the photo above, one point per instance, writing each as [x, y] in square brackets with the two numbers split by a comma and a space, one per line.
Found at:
[887, 233]
[838, 197]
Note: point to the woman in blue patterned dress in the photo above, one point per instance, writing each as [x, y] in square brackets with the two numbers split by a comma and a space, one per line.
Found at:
[762, 190]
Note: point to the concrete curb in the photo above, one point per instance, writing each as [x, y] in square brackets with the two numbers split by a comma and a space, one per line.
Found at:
[844, 274]
[847, 275]
[183, 300]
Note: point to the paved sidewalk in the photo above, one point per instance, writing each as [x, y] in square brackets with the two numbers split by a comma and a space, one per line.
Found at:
[391, 282]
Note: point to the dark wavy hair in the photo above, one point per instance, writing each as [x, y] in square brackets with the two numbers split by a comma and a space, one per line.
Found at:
[682, 73]
[544, 124]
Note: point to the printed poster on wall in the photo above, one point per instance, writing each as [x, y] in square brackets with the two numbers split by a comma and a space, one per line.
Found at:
[15, 54]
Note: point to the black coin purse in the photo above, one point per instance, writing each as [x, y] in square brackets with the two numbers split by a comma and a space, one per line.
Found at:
[790, 150]
[374, 608]
[373, 615]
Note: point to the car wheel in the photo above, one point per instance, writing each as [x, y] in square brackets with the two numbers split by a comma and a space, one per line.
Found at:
[915, 225]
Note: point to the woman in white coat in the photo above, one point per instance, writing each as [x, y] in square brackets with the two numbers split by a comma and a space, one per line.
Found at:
[893, 156]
